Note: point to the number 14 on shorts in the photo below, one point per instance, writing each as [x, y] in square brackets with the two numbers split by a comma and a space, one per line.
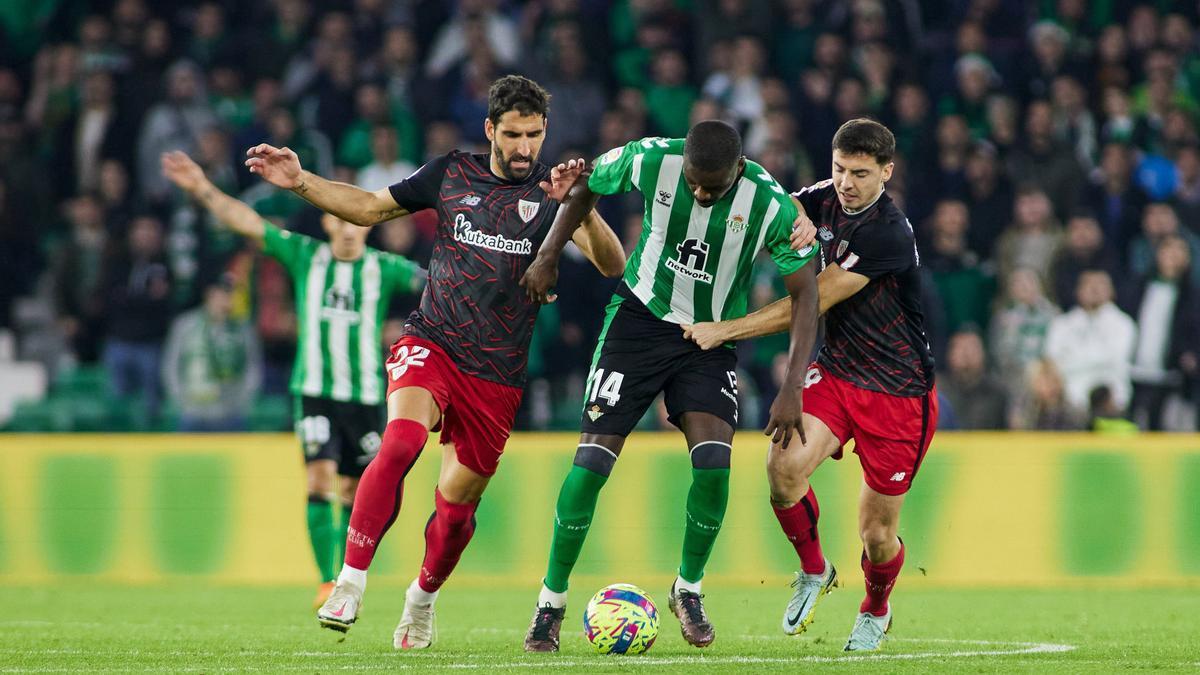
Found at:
[606, 387]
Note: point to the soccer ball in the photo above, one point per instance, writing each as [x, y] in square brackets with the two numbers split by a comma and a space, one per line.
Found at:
[621, 619]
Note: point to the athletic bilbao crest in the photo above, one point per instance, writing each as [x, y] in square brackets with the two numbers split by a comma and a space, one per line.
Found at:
[527, 209]
[842, 246]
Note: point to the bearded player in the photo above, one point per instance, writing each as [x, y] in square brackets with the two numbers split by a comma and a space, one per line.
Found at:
[872, 381]
[460, 364]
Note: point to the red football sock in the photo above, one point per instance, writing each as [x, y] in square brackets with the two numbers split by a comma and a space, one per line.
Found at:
[880, 580]
[446, 535]
[377, 501]
[799, 522]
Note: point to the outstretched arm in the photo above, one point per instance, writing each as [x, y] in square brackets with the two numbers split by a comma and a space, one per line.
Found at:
[834, 285]
[788, 409]
[187, 174]
[281, 167]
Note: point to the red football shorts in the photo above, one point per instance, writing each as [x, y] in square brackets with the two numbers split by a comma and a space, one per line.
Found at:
[477, 414]
[891, 433]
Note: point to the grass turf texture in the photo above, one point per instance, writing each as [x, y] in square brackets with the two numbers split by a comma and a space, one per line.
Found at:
[187, 628]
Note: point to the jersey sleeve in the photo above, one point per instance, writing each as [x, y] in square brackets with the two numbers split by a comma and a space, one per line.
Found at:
[286, 247]
[811, 197]
[613, 172]
[401, 274]
[420, 190]
[887, 247]
[778, 240]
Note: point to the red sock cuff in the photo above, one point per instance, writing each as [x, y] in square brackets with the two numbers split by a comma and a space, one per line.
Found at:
[454, 513]
[407, 429]
[890, 568]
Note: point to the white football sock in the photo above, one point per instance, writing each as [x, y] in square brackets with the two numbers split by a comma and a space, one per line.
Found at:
[549, 597]
[683, 584]
[419, 596]
[353, 576]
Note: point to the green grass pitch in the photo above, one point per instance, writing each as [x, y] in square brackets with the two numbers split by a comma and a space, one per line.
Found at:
[210, 629]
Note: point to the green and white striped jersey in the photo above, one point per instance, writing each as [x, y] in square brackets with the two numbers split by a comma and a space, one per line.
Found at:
[693, 263]
[341, 308]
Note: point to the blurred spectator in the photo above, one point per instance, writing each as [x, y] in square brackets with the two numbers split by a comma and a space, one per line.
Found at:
[965, 287]
[975, 77]
[978, 399]
[356, 148]
[386, 168]
[1186, 199]
[1040, 158]
[670, 97]
[1033, 239]
[1042, 404]
[1117, 202]
[1159, 222]
[576, 103]
[1093, 343]
[738, 87]
[1018, 331]
[174, 124]
[211, 364]
[989, 197]
[475, 23]
[97, 131]
[137, 307]
[1083, 249]
[77, 271]
[1074, 123]
[1167, 308]
[717, 20]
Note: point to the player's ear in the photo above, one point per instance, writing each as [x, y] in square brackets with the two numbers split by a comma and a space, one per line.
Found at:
[489, 129]
[887, 171]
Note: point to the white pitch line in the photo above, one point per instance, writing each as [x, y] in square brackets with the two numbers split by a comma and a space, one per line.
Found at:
[425, 659]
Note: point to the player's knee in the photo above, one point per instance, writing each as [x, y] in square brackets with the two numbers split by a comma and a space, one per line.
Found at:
[711, 455]
[595, 458]
[876, 536]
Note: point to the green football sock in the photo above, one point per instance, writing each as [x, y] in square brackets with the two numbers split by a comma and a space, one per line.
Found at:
[572, 518]
[706, 504]
[320, 532]
[340, 535]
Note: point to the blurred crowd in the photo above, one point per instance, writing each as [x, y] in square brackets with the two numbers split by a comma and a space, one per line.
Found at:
[1049, 162]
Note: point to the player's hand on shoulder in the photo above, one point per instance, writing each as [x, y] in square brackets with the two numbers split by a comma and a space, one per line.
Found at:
[539, 280]
[787, 417]
[278, 166]
[182, 170]
[804, 232]
[562, 177]
[706, 334]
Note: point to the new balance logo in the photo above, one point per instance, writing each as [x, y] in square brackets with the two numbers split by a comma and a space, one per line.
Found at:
[899, 476]
[469, 200]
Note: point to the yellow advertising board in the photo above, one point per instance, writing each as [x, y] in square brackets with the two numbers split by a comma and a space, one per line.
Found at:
[985, 510]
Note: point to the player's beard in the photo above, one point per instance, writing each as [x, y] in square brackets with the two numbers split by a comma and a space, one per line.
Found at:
[506, 167]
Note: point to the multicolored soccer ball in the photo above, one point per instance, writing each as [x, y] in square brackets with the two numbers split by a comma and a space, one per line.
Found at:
[621, 619]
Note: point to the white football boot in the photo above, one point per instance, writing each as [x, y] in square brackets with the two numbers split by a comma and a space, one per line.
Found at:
[810, 588]
[341, 609]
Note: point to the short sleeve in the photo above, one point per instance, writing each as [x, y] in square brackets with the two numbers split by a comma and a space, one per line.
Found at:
[811, 197]
[420, 190]
[779, 243]
[286, 247]
[613, 172]
[880, 249]
[401, 274]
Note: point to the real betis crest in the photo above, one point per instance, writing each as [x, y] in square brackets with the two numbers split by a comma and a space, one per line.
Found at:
[527, 209]
[736, 223]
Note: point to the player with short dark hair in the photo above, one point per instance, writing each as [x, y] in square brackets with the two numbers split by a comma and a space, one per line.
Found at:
[872, 381]
[460, 364]
[708, 213]
[342, 288]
